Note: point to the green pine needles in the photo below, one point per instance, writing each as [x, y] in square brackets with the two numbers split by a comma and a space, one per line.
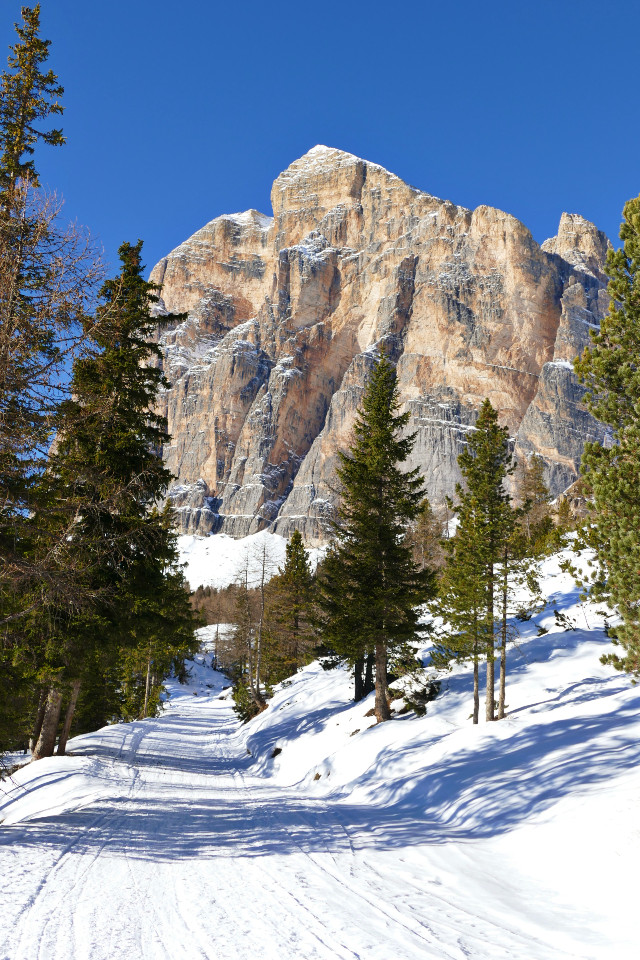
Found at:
[610, 369]
[370, 586]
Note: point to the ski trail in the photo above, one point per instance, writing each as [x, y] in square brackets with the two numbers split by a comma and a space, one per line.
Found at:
[196, 858]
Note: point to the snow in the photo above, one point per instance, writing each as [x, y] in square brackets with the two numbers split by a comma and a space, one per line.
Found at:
[219, 560]
[184, 837]
[565, 364]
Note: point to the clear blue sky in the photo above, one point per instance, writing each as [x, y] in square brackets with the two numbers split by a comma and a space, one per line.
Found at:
[177, 112]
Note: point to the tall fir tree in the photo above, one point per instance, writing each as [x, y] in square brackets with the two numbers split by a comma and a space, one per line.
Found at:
[471, 580]
[290, 636]
[371, 586]
[32, 320]
[108, 475]
[610, 370]
[30, 323]
[536, 519]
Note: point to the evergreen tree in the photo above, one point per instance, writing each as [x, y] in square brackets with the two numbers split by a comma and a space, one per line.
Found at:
[33, 317]
[610, 369]
[471, 580]
[462, 595]
[44, 283]
[535, 515]
[291, 636]
[425, 537]
[29, 95]
[108, 474]
[371, 585]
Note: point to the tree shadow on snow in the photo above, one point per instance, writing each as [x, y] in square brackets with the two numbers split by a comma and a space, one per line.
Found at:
[478, 792]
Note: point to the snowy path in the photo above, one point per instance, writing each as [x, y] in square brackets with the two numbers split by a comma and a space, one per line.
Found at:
[155, 840]
[196, 858]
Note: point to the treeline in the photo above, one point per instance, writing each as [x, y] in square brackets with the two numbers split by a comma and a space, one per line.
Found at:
[265, 623]
[93, 607]
[394, 560]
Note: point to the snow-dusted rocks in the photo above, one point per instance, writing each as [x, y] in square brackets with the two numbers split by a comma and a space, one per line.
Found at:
[284, 315]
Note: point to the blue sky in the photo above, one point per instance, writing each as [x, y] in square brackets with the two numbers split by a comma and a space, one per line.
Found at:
[178, 112]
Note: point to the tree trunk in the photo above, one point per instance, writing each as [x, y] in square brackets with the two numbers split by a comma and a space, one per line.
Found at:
[47, 739]
[503, 642]
[68, 718]
[369, 682]
[147, 688]
[39, 718]
[382, 708]
[490, 697]
[476, 690]
[259, 658]
[358, 668]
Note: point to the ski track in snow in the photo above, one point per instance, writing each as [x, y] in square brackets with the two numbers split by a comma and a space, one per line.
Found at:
[166, 839]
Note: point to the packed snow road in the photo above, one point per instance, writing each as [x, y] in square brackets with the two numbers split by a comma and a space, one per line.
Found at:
[188, 856]
[166, 839]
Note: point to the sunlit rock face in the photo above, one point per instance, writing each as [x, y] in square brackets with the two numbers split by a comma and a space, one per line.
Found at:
[284, 316]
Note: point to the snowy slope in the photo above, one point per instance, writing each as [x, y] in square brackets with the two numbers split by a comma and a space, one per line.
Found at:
[184, 836]
[219, 560]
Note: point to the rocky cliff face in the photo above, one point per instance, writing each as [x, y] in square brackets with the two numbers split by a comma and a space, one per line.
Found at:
[284, 316]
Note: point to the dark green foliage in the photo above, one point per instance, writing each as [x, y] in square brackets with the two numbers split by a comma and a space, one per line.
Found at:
[244, 702]
[28, 95]
[610, 368]
[290, 637]
[470, 583]
[370, 586]
[31, 319]
[132, 601]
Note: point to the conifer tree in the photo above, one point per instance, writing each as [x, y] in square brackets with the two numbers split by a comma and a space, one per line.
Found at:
[45, 280]
[291, 636]
[471, 579]
[535, 514]
[108, 475]
[32, 320]
[610, 369]
[371, 585]
[425, 537]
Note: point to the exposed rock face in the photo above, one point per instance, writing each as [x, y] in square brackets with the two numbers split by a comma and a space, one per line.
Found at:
[285, 314]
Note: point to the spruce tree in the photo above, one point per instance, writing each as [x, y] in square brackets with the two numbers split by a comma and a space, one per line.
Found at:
[610, 370]
[290, 635]
[108, 475]
[371, 586]
[471, 580]
[33, 318]
[36, 306]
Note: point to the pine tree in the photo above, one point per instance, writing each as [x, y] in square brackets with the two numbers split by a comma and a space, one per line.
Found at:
[43, 291]
[371, 585]
[471, 580]
[425, 537]
[532, 492]
[291, 636]
[610, 369]
[108, 475]
[32, 315]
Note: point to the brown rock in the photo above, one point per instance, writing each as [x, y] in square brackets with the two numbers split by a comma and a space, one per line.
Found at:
[284, 317]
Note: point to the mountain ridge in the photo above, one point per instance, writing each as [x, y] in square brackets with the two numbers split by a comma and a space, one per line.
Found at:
[285, 314]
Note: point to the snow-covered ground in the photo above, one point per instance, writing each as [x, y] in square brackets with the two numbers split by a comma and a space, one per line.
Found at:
[219, 560]
[184, 837]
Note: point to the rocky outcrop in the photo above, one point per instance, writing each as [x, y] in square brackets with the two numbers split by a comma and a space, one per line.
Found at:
[284, 316]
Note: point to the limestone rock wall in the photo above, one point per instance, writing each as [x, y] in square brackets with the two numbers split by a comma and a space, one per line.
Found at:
[284, 316]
